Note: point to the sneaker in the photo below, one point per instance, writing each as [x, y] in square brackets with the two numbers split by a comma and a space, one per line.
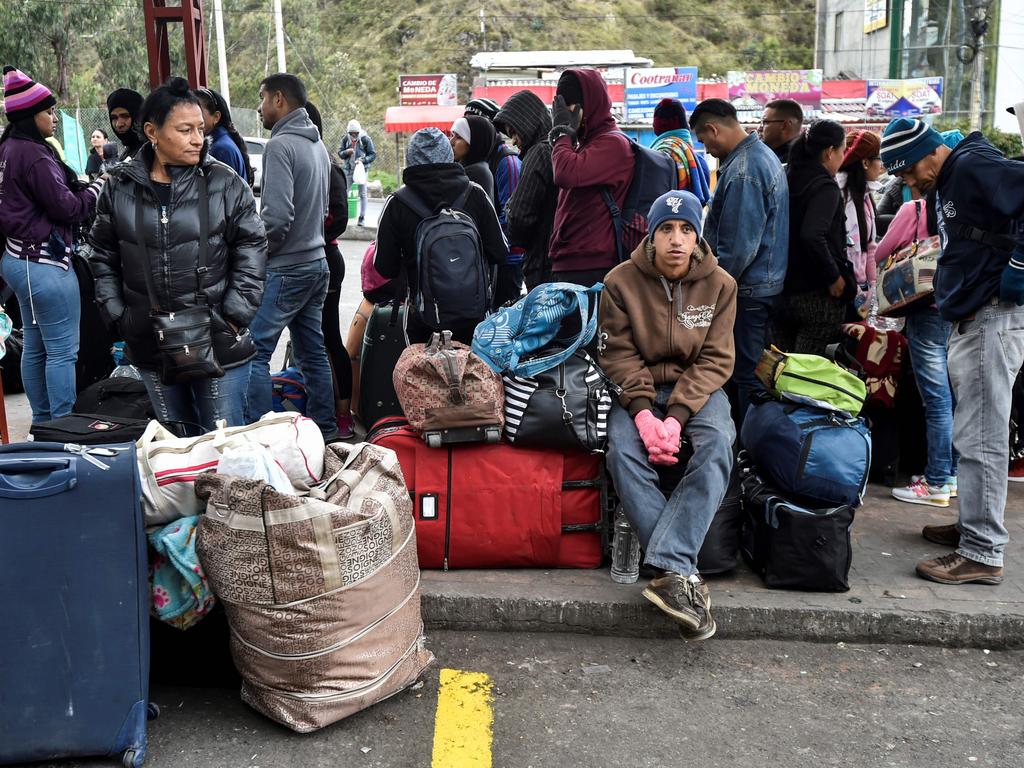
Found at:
[920, 492]
[944, 535]
[1016, 473]
[687, 601]
[957, 569]
[360, 223]
[950, 481]
[346, 427]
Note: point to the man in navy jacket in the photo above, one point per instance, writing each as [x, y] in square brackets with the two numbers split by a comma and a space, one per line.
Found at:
[979, 285]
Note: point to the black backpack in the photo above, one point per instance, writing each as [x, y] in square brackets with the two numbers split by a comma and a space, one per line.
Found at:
[654, 174]
[453, 284]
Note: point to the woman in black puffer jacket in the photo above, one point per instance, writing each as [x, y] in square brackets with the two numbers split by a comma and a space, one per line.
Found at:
[164, 178]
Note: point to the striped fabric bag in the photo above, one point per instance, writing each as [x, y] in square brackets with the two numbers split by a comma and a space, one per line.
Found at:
[563, 407]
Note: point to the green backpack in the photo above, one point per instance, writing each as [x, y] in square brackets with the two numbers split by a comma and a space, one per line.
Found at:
[811, 380]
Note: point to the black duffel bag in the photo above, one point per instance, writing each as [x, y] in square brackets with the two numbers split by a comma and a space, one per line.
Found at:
[563, 407]
[121, 396]
[89, 429]
[795, 547]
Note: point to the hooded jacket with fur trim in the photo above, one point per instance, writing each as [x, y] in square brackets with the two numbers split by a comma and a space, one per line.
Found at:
[583, 237]
[654, 332]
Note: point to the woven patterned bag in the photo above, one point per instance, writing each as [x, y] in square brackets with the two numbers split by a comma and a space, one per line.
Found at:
[443, 385]
[322, 594]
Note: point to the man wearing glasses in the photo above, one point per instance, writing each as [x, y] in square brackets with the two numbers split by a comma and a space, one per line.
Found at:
[780, 125]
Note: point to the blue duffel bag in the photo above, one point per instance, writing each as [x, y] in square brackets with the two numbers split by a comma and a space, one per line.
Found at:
[820, 456]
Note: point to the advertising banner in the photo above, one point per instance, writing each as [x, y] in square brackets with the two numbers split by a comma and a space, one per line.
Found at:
[646, 87]
[750, 91]
[428, 90]
[904, 98]
[876, 15]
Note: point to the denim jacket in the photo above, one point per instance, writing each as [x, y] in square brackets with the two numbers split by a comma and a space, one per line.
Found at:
[748, 221]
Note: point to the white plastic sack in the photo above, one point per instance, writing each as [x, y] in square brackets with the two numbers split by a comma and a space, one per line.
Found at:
[169, 465]
[359, 173]
[255, 462]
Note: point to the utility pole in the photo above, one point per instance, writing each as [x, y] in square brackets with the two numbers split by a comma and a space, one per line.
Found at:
[222, 56]
[279, 26]
[483, 31]
[975, 53]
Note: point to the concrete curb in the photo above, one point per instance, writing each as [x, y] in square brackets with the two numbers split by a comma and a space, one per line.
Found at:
[550, 602]
[362, 234]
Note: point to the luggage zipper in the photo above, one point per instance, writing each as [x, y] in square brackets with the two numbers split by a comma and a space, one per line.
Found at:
[362, 690]
[448, 513]
[337, 646]
[823, 384]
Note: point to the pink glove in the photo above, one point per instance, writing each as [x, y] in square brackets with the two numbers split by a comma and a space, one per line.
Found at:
[673, 433]
[653, 433]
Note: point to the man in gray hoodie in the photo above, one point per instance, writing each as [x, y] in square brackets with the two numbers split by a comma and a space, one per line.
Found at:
[296, 176]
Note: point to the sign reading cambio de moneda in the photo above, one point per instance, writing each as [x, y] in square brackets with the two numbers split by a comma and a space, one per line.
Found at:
[646, 87]
[750, 91]
[428, 90]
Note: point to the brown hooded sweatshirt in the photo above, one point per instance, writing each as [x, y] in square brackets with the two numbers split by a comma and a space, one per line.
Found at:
[656, 332]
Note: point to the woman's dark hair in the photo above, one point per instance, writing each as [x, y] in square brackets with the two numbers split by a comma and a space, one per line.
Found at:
[92, 150]
[162, 100]
[856, 190]
[214, 102]
[105, 135]
[808, 146]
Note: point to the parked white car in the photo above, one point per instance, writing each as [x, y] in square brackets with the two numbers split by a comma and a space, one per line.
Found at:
[254, 147]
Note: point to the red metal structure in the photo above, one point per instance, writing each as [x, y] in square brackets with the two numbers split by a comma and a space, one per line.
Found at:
[190, 15]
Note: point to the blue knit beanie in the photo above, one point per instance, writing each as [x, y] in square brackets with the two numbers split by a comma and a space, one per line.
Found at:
[677, 204]
[905, 141]
[428, 146]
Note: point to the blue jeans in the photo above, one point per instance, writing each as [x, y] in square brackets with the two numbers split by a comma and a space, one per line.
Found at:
[751, 334]
[672, 532]
[362, 200]
[51, 316]
[985, 354]
[927, 335]
[293, 298]
[200, 403]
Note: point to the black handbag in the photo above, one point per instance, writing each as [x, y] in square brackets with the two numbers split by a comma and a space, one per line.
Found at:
[183, 337]
[795, 547]
[563, 407]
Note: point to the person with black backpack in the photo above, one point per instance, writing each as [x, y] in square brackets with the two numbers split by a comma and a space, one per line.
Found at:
[441, 231]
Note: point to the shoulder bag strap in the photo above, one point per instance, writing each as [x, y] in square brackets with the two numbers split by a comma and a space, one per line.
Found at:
[204, 234]
[414, 202]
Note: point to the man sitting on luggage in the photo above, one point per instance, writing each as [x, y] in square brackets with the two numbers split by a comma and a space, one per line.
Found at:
[666, 339]
[438, 182]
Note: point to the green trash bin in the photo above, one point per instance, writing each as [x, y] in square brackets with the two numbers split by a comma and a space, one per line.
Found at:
[353, 202]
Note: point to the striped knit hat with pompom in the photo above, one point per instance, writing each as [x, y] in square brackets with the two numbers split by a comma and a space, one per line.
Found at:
[23, 96]
[905, 141]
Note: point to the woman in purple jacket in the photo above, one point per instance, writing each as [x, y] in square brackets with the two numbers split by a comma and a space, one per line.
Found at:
[41, 200]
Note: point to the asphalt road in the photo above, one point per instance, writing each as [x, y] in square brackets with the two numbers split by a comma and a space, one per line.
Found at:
[569, 700]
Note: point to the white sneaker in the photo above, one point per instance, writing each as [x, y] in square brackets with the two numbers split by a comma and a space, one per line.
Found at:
[950, 481]
[919, 492]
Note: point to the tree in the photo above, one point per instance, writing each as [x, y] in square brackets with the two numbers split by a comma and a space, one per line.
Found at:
[43, 42]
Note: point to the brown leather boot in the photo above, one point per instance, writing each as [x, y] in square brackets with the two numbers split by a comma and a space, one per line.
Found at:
[946, 535]
[957, 569]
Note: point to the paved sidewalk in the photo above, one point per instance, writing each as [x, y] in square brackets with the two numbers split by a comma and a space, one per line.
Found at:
[887, 602]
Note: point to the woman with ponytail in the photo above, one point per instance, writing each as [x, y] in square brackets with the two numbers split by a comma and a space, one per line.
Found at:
[41, 204]
[226, 143]
[858, 179]
[819, 281]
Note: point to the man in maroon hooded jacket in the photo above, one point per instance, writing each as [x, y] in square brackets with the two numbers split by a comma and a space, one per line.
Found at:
[588, 154]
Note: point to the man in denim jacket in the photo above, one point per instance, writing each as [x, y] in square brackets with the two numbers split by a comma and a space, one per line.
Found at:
[747, 228]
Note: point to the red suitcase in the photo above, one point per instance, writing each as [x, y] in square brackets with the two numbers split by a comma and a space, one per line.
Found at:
[496, 506]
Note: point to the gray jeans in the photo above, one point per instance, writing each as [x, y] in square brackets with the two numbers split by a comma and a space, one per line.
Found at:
[672, 532]
[985, 354]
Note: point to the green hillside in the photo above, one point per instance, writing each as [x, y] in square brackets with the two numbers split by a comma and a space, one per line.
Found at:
[351, 54]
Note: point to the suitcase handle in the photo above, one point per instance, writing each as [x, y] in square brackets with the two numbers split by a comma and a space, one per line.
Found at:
[19, 478]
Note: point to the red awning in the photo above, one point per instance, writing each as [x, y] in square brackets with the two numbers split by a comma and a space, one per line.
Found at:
[411, 119]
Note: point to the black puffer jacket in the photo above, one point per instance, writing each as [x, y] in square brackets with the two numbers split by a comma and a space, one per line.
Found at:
[236, 257]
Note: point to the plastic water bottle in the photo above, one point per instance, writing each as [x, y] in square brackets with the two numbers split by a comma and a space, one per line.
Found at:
[625, 552]
[126, 371]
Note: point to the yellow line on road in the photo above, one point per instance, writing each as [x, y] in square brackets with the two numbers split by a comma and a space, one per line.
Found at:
[462, 727]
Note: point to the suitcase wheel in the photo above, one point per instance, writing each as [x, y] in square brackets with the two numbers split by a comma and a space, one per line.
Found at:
[492, 435]
[131, 759]
[433, 439]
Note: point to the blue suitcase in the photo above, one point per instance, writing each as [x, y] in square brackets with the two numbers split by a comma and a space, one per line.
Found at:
[74, 641]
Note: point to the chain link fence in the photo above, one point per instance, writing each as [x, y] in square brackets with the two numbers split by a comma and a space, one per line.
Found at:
[248, 124]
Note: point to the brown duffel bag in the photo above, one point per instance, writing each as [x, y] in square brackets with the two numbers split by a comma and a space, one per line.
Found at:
[322, 594]
[449, 394]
